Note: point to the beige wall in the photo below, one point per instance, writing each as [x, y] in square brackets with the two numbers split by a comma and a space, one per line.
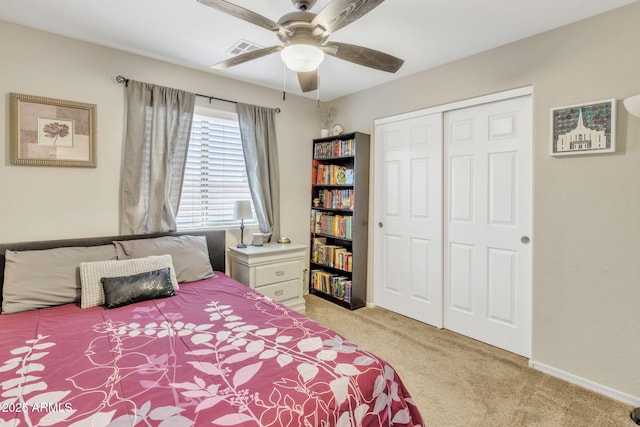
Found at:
[38, 203]
[586, 276]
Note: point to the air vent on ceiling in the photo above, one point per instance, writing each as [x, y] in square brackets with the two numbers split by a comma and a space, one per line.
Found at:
[243, 46]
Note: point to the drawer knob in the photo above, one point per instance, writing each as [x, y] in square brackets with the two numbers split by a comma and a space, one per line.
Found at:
[279, 292]
[280, 273]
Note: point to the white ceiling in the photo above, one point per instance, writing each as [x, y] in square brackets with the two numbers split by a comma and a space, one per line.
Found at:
[425, 33]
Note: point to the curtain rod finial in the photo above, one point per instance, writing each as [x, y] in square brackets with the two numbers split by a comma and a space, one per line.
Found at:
[122, 79]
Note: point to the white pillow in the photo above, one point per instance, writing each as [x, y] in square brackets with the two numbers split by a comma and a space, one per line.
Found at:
[92, 272]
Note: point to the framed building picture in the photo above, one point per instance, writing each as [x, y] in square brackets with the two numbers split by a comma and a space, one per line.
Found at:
[52, 132]
[584, 129]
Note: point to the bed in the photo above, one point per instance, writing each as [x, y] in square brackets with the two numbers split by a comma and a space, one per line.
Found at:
[201, 350]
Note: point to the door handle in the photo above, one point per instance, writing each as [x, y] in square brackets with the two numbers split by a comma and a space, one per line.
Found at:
[380, 225]
[525, 239]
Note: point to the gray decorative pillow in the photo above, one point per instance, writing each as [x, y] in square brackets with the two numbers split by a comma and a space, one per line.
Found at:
[42, 278]
[91, 274]
[190, 254]
[124, 290]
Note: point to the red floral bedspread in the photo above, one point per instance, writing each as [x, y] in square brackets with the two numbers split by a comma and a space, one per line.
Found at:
[215, 354]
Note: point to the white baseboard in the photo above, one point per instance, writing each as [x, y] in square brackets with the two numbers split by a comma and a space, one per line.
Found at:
[584, 383]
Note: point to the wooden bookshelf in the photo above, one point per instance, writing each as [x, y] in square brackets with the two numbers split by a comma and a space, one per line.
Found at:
[339, 219]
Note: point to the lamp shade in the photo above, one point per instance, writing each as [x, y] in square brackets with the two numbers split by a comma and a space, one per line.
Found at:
[632, 105]
[302, 57]
[242, 209]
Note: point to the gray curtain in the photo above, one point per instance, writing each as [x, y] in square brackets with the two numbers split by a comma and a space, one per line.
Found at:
[157, 137]
[258, 133]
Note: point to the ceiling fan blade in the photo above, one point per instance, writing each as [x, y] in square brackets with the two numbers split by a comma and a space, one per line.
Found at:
[244, 14]
[240, 59]
[340, 13]
[363, 56]
[308, 80]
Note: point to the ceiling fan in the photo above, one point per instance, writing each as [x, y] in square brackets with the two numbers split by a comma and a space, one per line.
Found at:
[304, 36]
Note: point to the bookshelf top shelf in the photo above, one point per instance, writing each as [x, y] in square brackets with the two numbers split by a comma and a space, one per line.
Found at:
[348, 135]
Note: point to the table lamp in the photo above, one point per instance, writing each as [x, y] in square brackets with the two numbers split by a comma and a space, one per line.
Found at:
[242, 211]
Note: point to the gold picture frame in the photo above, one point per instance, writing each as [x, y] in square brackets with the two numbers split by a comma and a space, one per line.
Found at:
[52, 132]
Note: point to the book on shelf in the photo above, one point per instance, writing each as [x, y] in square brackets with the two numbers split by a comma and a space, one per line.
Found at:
[315, 221]
[334, 225]
[331, 284]
[333, 149]
[349, 177]
[331, 174]
[336, 199]
[314, 172]
[334, 256]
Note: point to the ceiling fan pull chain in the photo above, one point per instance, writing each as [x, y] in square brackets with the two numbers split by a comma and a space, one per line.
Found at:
[284, 82]
[318, 90]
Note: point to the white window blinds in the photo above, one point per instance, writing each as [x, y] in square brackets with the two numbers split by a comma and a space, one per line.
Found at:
[215, 174]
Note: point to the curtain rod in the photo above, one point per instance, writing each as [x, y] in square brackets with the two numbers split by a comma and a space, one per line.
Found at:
[125, 81]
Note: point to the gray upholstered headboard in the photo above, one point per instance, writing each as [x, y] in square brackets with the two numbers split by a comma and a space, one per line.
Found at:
[215, 242]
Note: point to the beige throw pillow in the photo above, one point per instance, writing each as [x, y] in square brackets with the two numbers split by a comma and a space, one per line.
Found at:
[91, 274]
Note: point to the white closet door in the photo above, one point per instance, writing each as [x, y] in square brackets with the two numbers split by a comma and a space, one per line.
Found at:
[488, 206]
[453, 207]
[408, 229]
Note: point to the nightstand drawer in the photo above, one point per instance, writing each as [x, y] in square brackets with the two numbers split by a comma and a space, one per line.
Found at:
[282, 291]
[275, 273]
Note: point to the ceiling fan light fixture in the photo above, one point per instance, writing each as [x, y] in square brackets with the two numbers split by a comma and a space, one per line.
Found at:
[302, 57]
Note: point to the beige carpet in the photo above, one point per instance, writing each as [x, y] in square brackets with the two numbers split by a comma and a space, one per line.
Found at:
[457, 381]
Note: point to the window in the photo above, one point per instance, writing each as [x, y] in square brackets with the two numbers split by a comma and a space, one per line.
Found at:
[215, 174]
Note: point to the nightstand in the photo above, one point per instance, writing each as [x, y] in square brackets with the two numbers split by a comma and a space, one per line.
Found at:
[274, 270]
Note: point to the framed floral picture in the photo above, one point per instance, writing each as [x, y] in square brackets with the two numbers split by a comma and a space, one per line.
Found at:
[584, 129]
[52, 132]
